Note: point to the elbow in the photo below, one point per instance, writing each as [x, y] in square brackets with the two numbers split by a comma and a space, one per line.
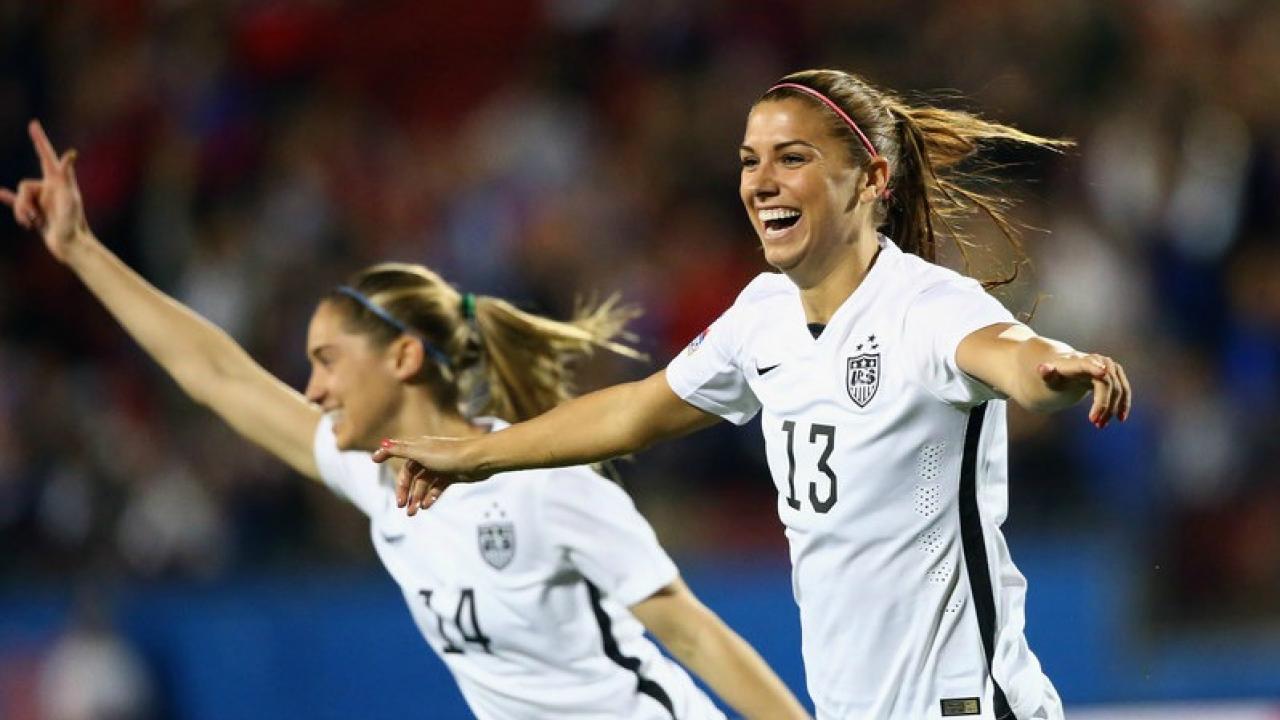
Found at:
[686, 642]
[191, 382]
[686, 632]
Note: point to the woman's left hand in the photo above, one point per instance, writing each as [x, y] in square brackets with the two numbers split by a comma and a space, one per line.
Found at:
[431, 465]
[1112, 395]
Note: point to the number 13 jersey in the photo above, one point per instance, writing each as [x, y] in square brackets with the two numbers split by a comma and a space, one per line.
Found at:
[890, 467]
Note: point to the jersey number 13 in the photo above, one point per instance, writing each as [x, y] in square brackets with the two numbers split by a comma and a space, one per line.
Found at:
[823, 503]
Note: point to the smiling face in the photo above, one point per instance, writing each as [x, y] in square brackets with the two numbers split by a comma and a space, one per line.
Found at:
[351, 379]
[806, 199]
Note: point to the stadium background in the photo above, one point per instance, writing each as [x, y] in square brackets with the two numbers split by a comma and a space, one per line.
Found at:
[245, 156]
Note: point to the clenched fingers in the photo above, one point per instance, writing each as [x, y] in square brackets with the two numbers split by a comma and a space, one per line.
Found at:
[25, 203]
[1127, 405]
[1112, 395]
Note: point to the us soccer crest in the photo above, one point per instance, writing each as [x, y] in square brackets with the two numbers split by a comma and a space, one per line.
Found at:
[497, 538]
[862, 378]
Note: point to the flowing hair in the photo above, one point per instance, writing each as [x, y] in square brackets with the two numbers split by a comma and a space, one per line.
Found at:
[490, 356]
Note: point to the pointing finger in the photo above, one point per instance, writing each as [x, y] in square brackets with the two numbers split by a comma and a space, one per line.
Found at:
[44, 148]
[7, 197]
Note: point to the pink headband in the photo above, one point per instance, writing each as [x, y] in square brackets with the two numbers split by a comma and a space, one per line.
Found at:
[834, 107]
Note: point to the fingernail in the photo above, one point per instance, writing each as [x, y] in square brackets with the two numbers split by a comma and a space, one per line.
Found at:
[386, 443]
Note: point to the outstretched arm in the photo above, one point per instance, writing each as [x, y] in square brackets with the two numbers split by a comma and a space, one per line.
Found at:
[203, 359]
[601, 425]
[1045, 375]
[702, 642]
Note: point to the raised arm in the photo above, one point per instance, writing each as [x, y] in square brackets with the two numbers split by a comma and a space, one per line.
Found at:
[702, 642]
[203, 359]
[601, 425]
[1045, 375]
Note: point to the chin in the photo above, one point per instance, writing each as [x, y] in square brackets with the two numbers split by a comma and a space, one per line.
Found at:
[342, 438]
[781, 260]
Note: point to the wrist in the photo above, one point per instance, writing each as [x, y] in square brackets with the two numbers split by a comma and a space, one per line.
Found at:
[476, 456]
[80, 248]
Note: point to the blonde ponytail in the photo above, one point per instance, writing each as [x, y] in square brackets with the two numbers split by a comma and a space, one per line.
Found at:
[488, 355]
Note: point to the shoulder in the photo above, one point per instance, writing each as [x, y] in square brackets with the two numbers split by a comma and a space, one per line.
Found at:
[766, 287]
[576, 492]
[766, 294]
[918, 276]
[928, 292]
[574, 484]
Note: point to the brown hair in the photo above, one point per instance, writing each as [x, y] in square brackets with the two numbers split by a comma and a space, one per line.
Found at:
[925, 147]
[490, 355]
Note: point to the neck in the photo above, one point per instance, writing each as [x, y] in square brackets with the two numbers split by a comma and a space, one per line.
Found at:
[822, 295]
[420, 414]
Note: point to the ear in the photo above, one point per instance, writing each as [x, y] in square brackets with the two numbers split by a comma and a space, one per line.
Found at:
[875, 181]
[406, 356]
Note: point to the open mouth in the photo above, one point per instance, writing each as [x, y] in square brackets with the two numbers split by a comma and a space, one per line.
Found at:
[777, 221]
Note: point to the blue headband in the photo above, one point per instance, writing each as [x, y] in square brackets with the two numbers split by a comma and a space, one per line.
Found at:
[391, 320]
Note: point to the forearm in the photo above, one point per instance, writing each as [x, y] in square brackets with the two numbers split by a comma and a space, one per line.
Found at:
[735, 671]
[204, 360]
[605, 424]
[189, 348]
[1029, 388]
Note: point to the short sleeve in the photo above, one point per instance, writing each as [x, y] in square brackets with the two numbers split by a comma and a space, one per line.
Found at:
[597, 525]
[708, 376]
[934, 324]
[354, 476]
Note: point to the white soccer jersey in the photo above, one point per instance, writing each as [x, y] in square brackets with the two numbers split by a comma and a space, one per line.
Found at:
[891, 474]
[521, 584]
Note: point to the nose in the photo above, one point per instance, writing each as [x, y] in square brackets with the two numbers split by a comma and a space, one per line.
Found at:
[761, 184]
[315, 391]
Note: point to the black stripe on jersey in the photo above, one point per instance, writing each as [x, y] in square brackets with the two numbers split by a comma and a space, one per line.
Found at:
[611, 649]
[975, 553]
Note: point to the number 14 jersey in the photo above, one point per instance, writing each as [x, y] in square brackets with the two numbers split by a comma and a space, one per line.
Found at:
[890, 467]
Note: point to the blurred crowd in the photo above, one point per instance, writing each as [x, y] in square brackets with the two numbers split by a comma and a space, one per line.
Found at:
[246, 156]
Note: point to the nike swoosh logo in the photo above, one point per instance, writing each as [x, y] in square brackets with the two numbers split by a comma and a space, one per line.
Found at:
[767, 368]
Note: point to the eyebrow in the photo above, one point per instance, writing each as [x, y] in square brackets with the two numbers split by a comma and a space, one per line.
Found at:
[782, 145]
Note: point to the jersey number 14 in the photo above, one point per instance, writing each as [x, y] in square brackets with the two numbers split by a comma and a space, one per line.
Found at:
[819, 504]
[469, 632]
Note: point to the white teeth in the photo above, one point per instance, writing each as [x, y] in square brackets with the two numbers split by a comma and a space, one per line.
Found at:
[777, 214]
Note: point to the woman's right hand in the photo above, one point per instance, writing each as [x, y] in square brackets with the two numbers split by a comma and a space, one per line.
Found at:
[51, 204]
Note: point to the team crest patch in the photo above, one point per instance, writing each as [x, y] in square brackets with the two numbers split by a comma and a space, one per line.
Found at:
[497, 539]
[862, 378]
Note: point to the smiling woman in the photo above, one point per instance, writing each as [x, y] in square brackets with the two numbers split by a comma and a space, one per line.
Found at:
[535, 589]
[881, 379]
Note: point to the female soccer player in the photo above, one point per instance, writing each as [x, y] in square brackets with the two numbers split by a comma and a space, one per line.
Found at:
[536, 588]
[881, 378]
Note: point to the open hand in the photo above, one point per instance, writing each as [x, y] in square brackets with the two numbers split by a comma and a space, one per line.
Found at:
[431, 465]
[1112, 396]
[51, 204]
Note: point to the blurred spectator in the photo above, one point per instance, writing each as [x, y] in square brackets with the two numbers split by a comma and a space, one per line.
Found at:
[92, 673]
